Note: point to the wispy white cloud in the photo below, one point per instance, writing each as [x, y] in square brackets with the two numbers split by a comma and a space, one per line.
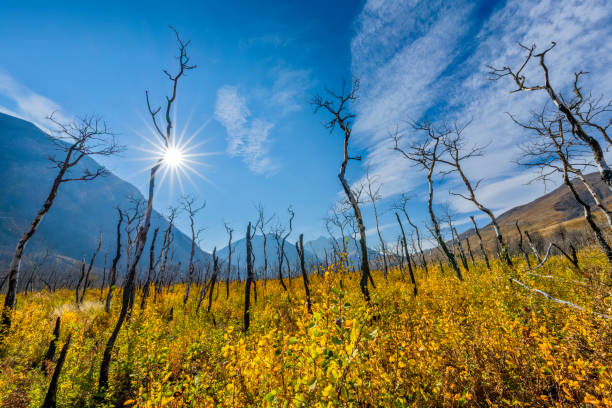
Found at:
[247, 138]
[289, 90]
[415, 57]
[26, 104]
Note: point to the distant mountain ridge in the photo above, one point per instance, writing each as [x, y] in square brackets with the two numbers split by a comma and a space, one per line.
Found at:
[81, 210]
[550, 211]
[315, 252]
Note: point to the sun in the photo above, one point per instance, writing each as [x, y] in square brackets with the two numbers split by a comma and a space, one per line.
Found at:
[173, 156]
[176, 158]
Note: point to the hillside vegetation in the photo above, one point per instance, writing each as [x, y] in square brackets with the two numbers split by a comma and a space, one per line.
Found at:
[482, 342]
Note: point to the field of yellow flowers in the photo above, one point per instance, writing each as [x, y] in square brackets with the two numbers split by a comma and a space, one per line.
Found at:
[481, 342]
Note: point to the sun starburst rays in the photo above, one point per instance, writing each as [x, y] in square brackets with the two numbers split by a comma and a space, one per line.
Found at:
[178, 158]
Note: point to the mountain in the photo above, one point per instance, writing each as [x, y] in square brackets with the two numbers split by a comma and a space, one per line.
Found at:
[551, 211]
[239, 253]
[322, 245]
[81, 210]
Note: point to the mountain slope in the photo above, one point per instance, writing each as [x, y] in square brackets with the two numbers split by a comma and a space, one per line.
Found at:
[555, 209]
[81, 210]
[239, 253]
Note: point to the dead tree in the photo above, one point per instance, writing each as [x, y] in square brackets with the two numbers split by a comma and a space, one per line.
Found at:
[141, 238]
[163, 255]
[521, 246]
[204, 288]
[403, 237]
[482, 248]
[457, 152]
[50, 354]
[229, 260]
[147, 284]
[213, 279]
[86, 137]
[192, 211]
[581, 113]
[300, 250]
[469, 247]
[249, 279]
[552, 153]
[401, 205]
[426, 155]
[262, 222]
[337, 107]
[456, 241]
[281, 238]
[112, 274]
[85, 275]
[103, 285]
[532, 246]
[374, 195]
[51, 396]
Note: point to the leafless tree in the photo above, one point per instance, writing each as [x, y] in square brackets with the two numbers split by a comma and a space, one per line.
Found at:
[213, 279]
[50, 354]
[112, 274]
[229, 230]
[249, 279]
[401, 205]
[141, 239]
[457, 152]
[482, 247]
[582, 114]
[281, 237]
[86, 137]
[300, 250]
[85, 275]
[373, 193]
[404, 245]
[50, 397]
[458, 248]
[262, 221]
[163, 254]
[552, 152]
[521, 246]
[192, 210]
[147, 284]
[426, 155]
[337, 107]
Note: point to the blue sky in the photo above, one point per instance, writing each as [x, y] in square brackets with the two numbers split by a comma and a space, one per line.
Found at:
[258, 64]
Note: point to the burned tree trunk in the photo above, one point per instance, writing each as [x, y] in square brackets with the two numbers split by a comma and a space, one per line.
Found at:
[51, 396]
[229, 261]
[50, 354]
[89, 268]
[249, 280]
[112, 274]
[482, 248]
[521, 247]
[461, 252]
[300, 249]
[147, 285]
[407, 254]
[188, 206]
[213, 279]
